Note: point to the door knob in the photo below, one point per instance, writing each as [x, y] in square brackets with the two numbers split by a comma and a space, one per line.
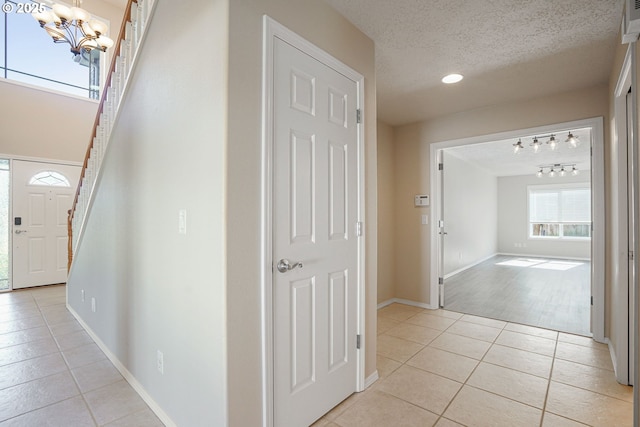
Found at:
[20, 231]
[285, 265]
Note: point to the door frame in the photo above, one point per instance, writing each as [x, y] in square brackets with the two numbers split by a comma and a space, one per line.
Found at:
[597, 190]
[625, 359]
[271, 30]
[12, 158]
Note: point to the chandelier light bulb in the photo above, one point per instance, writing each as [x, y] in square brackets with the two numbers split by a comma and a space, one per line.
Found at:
[553, 144]
[552, 173]
[562, 172]
[539, 173]
[574, 171]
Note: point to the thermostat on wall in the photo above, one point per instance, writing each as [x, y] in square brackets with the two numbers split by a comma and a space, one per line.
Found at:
[422, 200]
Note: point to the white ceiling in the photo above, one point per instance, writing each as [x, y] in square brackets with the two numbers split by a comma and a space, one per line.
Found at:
[508, 50]
[498, 158]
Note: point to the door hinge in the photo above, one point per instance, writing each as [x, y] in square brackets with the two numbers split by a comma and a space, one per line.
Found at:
[358, 116]
[440, 281]
[358, 341]
[631, 255]
[440, 166]
[359, 228]
[591, 299]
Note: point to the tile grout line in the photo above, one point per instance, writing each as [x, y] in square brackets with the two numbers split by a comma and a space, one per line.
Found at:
[546, 395]
[64, 359]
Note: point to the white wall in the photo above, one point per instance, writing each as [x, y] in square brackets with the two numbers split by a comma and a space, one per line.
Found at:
[513, 220]
[470, 213]
[156, 289]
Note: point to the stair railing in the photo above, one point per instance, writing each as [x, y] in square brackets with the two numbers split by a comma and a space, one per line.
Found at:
[126, 47]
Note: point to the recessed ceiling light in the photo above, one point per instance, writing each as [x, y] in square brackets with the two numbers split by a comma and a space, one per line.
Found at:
[452, 78]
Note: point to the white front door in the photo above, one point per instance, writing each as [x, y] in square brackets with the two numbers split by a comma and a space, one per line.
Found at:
[315, 213]
[42, 194]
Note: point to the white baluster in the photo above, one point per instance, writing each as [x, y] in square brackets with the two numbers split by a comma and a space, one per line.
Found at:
[106, 115]
[142, 15]
[125, 47]
[135, 23]
[122, 73]
[115, 91]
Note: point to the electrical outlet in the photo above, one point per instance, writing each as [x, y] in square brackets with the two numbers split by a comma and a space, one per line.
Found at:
[82, 295]
[93, 304]
[160, 362]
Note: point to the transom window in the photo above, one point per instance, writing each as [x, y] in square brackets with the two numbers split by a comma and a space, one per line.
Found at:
[29, 55]
[560, 211]
[50, 179]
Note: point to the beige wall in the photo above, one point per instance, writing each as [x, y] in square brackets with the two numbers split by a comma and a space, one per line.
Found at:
[412, 164]
[37, 123]
[386, 213]
[318, 23]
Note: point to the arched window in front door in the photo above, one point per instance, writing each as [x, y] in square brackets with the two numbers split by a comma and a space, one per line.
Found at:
[49, 179]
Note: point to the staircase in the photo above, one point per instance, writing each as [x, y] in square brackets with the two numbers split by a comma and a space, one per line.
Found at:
[137, 16]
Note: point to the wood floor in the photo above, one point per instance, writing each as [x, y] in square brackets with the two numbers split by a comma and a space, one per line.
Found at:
[547, 293]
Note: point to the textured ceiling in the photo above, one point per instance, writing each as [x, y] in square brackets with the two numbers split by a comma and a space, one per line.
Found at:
[508, 50]
[498, 159]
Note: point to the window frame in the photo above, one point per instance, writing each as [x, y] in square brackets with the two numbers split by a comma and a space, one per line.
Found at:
[104, 63]
[559, 187]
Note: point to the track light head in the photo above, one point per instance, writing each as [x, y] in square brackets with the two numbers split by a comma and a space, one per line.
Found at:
[517, 146]
[572, 140]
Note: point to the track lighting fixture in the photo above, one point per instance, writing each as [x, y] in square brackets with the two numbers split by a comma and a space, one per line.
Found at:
[572, 141]
[557, 169]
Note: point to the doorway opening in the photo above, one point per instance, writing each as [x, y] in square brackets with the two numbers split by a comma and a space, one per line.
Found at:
[468, 248]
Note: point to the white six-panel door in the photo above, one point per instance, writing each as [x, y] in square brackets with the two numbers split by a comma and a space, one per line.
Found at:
[315, 204]
[40, 239]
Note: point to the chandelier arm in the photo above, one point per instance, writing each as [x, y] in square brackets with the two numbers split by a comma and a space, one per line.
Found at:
[81, 43]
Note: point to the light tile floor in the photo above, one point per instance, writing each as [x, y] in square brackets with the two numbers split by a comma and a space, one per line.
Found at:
[436, 368]
[53, 374]
[448, 369]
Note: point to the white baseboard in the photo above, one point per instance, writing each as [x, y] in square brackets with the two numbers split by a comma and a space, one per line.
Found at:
[612, 353]
[128, 376]
[371, 379]
[466, 267]
[545, 256]
[406, 302]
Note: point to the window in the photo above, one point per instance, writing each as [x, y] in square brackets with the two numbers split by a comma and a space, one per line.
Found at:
[560, 211]
[50, 179]
[29, 55]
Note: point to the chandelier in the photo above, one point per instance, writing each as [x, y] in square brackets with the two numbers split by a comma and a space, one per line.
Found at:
[536, 144]
[75, 26]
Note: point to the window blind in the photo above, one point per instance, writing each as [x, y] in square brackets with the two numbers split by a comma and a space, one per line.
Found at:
[561, 205]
